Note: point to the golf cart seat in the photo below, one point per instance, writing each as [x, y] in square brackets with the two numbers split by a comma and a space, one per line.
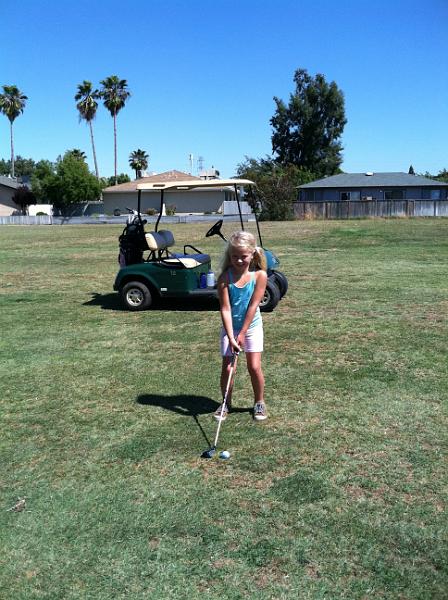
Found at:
[190, 261]
[160, 241]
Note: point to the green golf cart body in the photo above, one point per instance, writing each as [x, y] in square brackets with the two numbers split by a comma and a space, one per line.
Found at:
[161, 273]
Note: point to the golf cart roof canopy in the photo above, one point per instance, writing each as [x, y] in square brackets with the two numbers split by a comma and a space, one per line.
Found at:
[193, 184]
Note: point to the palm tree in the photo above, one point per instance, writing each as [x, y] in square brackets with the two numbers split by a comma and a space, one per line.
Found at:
[77, 153]
[12, 104]
[138, 160]
[114, 95]
[87, 106]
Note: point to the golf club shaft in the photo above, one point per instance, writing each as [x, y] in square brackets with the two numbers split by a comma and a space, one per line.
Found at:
[226, 394]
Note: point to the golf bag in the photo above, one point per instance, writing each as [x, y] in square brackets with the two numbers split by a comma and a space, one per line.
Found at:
[132, 243]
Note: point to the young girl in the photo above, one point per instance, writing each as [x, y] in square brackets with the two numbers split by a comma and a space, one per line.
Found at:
[241, 287]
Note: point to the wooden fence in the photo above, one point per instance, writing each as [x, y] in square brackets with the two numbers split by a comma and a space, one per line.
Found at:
[27, 220]
[361, 209]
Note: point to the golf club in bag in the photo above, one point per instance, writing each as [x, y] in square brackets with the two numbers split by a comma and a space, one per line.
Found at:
[211, 451]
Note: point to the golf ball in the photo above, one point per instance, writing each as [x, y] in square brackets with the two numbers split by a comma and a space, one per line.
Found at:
[224, 454]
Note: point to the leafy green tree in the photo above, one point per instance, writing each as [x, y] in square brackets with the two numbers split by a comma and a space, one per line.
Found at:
[121, 178]
[41, 179]
[71, 183]
[307, 130]
[12, 104]
[23, 167]
[5, 166]
[114, 93]
[87, 106]
[138, 160]
[78, 154]
[411, 170]
[442, 176]
[23, 197]
[276, 186]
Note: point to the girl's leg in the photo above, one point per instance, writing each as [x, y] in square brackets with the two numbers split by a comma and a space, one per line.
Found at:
[225, 371]
[253, 360]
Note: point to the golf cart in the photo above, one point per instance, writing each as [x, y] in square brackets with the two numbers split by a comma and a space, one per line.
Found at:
[166, 274]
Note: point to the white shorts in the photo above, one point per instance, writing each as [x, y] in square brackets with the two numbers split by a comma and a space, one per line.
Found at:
[252, 343]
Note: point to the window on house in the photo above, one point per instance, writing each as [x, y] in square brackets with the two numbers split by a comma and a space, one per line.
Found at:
[352, 195]
[436, 194]
[394, 194]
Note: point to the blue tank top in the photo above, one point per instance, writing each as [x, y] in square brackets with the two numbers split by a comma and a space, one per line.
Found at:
[239, 301]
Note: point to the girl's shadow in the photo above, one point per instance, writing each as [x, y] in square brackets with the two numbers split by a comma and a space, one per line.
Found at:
[189, 406]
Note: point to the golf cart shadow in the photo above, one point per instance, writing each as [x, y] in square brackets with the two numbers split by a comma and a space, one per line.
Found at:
[112, 302]
[106, 301]
[190, 406]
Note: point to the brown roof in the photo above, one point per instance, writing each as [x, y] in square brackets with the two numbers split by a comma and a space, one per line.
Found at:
[131, 186]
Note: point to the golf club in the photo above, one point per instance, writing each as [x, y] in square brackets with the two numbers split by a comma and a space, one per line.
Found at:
[211, 451]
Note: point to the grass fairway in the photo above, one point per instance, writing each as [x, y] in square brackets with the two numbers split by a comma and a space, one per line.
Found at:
[340, 494]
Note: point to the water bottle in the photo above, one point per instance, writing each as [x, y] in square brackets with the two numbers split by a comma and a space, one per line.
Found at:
[203, 281]
[210, 279]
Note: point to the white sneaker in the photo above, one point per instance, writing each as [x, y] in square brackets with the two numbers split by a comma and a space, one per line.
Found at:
[225, 412]
[260, 413]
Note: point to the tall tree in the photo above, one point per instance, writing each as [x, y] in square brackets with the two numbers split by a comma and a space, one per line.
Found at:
[306, 131]
[443, 175]
[43, 173]
[87, 106]
[23, 197]
[114, 93]
[411, 170]
[138, 160]
[77, 153]
[276, 186]
[23, 167]
[12, 104]
[121, 178]
[69, 182]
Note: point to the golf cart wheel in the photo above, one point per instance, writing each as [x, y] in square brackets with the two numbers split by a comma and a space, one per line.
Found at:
[281, 281]
[136, 296]
[271, 297]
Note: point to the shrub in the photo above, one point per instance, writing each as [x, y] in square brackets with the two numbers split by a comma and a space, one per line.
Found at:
[170, 210]
[150, 212]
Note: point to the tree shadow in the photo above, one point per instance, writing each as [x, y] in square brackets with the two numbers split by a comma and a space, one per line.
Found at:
[112, 301]
[188, 406]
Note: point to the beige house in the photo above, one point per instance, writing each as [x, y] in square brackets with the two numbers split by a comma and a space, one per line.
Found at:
[119, 197]
[8, 187]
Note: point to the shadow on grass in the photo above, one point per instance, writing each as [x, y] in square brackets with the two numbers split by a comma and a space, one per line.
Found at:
[189, 406]
[105, 301]
[112, 302]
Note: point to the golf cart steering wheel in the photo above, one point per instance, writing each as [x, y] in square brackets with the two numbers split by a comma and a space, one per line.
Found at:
[216, 230]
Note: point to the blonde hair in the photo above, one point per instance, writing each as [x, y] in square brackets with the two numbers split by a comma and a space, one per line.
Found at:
[244, 239]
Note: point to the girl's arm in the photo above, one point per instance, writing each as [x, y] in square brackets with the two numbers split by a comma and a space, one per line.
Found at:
[260, 287]
[226, 311]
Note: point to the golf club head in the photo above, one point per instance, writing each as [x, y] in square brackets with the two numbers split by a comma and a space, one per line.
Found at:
[209, 453]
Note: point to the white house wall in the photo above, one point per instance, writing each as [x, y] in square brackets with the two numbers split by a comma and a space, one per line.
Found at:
[185, 202]
[7, 205]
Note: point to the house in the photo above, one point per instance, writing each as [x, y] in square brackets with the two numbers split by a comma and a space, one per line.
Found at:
[373, 186]
[8, 187]
[118, 198]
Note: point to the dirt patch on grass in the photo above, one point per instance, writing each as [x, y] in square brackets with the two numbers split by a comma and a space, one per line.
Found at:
[272, 573]
[223, 563]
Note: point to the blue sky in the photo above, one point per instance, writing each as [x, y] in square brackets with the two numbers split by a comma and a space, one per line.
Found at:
[203, 75]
